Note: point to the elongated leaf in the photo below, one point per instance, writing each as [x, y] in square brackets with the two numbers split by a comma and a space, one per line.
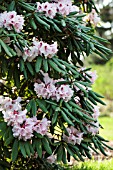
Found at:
[4, 46]
[38, 64]
[22, 148]
[8, 140]
[66, 118]
[46, 146]
[33, 107]
[27, 148]
[15, 150]
[41, 105]
[45, 65]
[38, 145]
[60, 153]
[30, 68]
[54, 118]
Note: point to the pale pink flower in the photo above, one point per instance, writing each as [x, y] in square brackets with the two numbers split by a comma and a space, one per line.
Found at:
[6, 103]
[24, 131]
[51, 9]
[39, 48]
[96, 112]
[42, 126]
[92, 129]
[14, 117]
[11, 105]
[92, 17]
[47, 8]
[93, 75]
[49, 89]
[10, 20]
[41, 90]
[51, 159]
[64, 92]
[29, 53]
[75, 136]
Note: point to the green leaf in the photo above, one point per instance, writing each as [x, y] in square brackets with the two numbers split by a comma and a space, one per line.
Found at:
[51, 102]
[33, 24]
[28, 107]
[59, 153]
[5, 47]
[38, 64]
[63, 23]
[40, 21]
[22, 65]
[38, 135]
[22, 148]
[11, 51]
[38, 145]
[6, 134]
[5, 164]
[68, 106]
[66, 118]
[59, 64]
[54, 66]
[11, 6]
[42, 106]
[64, 159]
[46, 146]
[45, 65]
[70, 115]
[15, 150]
[8, 140]
[27, 148]
[26, 6]
[54, 118]
[16, 77]
[30, 68]
[33, 107]
[3, 126]
[31, 148]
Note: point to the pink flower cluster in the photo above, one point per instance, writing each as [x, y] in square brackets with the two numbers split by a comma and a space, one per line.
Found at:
[51, 159]
[10, 20]
[96, 112]
[93, 18]
[75, 136]
[22, 126]
[25, 131]
[39, 48]
[63, 7]
[93, 129]
[93, 74]
[48, 89]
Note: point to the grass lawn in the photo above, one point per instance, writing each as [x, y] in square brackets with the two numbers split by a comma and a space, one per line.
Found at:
[107, 123]
[94, 165]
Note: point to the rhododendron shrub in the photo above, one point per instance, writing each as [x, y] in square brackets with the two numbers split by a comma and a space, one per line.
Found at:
[48, 110]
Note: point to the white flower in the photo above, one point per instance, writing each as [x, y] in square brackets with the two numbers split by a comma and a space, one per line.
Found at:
[93, 129]
[49, 89]
[75, 136]
[10, 20]
[51, 159]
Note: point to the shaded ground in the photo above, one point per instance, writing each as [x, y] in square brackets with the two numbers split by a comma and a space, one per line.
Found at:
[108, 151]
